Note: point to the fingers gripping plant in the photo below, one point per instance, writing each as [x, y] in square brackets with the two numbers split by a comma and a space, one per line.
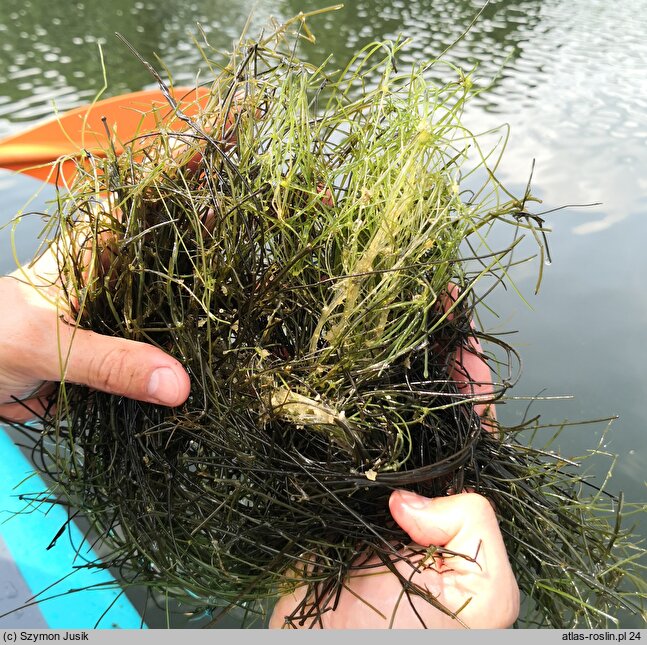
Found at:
[307, 247]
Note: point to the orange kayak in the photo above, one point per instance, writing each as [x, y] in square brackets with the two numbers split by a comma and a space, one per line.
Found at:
[95, 128]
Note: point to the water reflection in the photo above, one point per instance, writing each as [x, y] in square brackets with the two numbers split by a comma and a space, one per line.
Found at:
[566, 75]
[52, 53]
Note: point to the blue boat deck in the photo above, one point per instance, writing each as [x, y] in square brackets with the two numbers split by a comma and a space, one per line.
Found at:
[68, 596]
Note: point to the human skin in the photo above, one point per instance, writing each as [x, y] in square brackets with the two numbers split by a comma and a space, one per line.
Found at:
[38, 344]
[36, 349]
[482, 584]
[463, 524]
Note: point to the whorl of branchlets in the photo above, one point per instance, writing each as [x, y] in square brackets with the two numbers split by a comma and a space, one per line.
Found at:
[295, 249]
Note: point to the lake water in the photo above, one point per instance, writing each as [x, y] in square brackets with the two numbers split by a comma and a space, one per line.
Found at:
[568, 76]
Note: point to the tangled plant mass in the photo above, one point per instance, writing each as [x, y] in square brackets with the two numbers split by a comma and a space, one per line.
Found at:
[308, 249]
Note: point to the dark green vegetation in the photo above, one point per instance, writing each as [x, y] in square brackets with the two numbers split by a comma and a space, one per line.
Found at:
[295, 248]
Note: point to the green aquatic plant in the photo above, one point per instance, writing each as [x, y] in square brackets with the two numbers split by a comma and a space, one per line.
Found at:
[310, 247]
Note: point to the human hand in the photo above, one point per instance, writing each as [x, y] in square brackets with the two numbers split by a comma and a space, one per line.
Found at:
[40, 345]
[464, 524]
[480, 589]
[468, 368]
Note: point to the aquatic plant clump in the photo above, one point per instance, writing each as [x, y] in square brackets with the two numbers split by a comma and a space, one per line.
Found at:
[301, 248]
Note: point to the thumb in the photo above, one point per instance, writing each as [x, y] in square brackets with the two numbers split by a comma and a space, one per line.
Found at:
[427, 521]
[124, 367]
[465, 523]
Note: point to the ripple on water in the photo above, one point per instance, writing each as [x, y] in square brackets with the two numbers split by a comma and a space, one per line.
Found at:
[567, 73]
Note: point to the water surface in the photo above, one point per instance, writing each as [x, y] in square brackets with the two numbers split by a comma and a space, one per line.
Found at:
[566, 75]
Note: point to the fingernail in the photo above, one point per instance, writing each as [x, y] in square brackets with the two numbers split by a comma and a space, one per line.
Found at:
[164, 386]
[412, 501]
